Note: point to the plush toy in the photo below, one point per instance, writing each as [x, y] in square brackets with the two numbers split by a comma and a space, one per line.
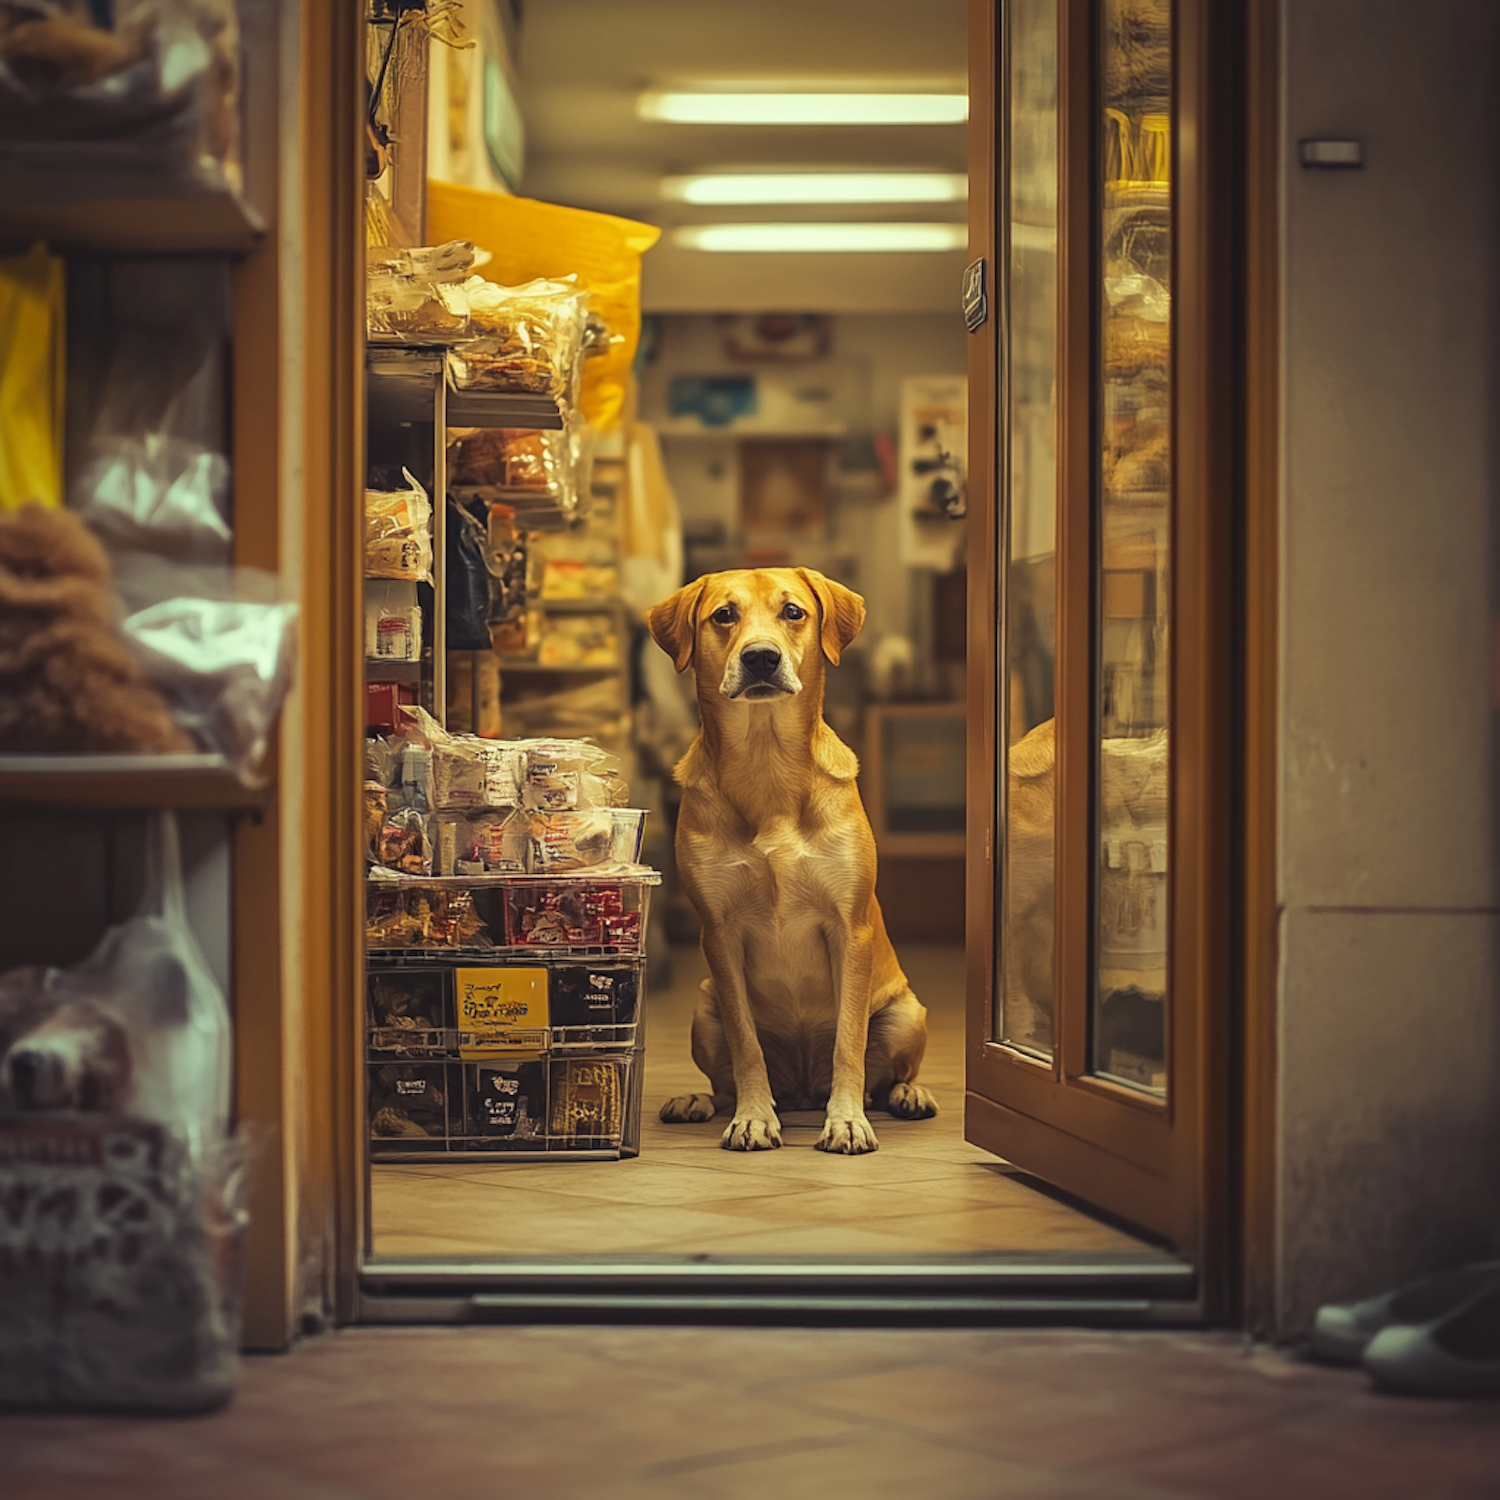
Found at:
[67, 681]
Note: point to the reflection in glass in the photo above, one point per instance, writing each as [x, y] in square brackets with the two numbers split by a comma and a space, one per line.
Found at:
[1132, 597]
[1029, 584]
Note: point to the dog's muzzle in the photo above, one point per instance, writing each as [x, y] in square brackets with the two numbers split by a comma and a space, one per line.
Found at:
[760, 671]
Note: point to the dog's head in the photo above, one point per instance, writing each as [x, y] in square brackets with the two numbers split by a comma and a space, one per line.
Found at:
[754, 634]
[76, 1058]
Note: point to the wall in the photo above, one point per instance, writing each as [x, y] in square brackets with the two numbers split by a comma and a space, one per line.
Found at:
[870, 355]
[1389, 1109]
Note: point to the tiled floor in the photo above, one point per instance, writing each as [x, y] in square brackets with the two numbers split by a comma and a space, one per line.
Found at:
[924, 1191]
[795, 1414]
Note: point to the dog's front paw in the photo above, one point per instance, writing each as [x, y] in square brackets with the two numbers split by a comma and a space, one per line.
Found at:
[688, 1109]
[848, 1135]
[752, 1133]
[910, 1101]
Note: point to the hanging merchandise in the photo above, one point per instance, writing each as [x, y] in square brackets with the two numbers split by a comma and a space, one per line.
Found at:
[471, 581]
[529, 240]
[123, 1183]
[32, 305]
[398, 531]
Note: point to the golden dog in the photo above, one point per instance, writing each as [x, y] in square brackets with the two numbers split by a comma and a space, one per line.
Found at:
[806, 1003]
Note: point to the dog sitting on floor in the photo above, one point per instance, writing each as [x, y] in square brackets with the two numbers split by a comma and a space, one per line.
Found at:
[806, 1004]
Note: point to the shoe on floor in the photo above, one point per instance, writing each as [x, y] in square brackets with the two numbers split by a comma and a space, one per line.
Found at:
[1342, 1331]
[1458, 1354]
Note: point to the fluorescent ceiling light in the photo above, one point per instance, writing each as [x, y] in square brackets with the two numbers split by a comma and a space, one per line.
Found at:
[819, 187]
[804, 109]
[821, 237]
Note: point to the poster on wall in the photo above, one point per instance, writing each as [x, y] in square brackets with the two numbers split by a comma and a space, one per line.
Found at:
[932, 465]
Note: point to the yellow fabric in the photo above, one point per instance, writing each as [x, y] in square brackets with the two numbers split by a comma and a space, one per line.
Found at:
[31, 379]
[529, 239]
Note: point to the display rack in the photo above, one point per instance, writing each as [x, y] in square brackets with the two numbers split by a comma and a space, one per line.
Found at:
[528, 1050]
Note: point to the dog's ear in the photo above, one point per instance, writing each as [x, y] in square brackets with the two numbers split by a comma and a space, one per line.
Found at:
[843, 612]
[674, 623]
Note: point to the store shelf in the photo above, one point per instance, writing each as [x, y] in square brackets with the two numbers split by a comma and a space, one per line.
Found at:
[598, 606]
[734, 430]
[393, 671]
[36, 205]
[629, 874]
[503, 409]
[107, 782]
[523, 666]
[402, 387]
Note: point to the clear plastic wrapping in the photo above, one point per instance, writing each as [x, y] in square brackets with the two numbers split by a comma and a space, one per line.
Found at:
[522, 338]
[506, 459]
[398, 532]
[417, 295]
[160, 494]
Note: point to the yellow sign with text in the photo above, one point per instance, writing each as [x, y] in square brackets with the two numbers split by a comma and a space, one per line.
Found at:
[501, 1013]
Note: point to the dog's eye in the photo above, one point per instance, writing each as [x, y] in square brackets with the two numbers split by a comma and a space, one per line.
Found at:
[726, 614]
[793, 612]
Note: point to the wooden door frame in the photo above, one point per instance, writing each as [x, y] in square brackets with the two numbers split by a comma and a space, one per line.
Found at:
[1223, 708]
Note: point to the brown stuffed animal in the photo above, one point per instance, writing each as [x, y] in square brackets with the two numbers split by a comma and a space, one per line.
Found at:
[67, 682]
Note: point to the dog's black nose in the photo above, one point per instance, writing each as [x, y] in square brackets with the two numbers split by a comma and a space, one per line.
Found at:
[761, 660]
[26, 1071]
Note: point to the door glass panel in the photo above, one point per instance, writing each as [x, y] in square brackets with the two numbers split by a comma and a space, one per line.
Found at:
[1029, 573]
[1133, 549]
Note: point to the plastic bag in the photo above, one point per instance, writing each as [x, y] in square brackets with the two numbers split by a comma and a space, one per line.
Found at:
[154, 94]
[530, 239]
[124, 1191]
[398, 532]
[218, 645]
[32, 378]
[522, 338]
[507, 459]
[416, 295]
[471, 581]
[158, 493]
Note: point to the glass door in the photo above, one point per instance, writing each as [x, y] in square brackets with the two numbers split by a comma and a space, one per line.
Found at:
[1101, 874]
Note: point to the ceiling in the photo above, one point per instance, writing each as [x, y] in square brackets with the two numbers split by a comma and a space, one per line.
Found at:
[583, 63]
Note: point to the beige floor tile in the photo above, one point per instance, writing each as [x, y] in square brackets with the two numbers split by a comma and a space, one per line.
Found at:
[925, 1191]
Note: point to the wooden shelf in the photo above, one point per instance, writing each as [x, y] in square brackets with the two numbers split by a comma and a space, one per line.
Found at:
[42, 206]
[107, 782]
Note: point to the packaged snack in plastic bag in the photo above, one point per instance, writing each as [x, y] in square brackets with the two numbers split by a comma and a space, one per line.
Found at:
[521, 338]
[402, 843]
[559, 841]
[393, 621]
[508, 459]
[417, 295]
[398, 532]
[438, 918]
[529, 238]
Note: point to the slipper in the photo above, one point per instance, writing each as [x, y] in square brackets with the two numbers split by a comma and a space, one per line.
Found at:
[1342, 1331]
[1455, 1355]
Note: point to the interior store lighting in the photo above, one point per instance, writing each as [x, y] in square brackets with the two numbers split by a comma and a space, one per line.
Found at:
[822, 237]
[818, 187]
[782, 108]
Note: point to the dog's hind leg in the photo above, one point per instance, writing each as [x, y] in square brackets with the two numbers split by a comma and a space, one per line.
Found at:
[898, 1040]
[711, 1053]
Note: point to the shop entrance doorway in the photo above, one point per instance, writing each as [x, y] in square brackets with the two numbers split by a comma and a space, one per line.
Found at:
[1078, 1032]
